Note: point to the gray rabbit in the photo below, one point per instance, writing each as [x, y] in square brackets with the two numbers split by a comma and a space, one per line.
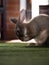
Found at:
[36, 29]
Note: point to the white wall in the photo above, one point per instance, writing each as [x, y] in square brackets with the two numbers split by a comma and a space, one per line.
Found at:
[35, 6]
[22, 4]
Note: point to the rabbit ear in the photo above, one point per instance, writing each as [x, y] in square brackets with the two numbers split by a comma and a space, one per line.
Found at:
[22, 16]
[14, 20]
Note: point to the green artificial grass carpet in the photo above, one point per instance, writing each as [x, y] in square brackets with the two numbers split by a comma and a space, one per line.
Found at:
[20, 54]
